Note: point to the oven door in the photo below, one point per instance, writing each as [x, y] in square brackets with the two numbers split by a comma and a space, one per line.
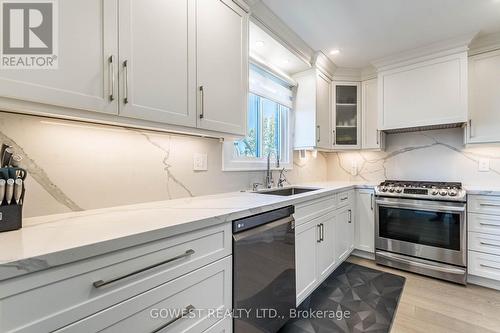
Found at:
[433, 230]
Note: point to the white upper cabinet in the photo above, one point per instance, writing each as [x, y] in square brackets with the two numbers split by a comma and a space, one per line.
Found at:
[85, 77]
[346, 115]
[371, 137]
[312, 111]
[157, 61]
[222, 66]
[425, 93]
[484, 98]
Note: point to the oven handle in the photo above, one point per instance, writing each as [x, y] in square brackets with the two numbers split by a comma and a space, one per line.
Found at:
[395, 257]
[422, 207]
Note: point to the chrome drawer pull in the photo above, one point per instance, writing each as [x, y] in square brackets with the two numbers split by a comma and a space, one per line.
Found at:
[489, 205]
[489, 244]
[111, 78]
[319, 233]
[488, 266]
[185, 312]
[490, 224]
[344, 198]
[101, 283]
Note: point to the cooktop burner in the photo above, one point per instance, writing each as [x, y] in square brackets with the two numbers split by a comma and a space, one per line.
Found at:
[422, 189]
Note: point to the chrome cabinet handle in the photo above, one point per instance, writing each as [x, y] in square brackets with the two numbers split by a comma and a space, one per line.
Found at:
[489, 205]
[344, 198]
[489, 244]
[371, 200]
[378, 136]
[490, 224]
[318, 133]
[488, 266]
[101, 283]
[334, 138]
[350, 216]
[111, 78]
[202, 102]
[319, 233]
[322, 231]
[185, 312]
[470, 128]
[125, 81]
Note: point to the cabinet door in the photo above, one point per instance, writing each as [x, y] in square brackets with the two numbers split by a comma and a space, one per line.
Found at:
[323, 112]
[346, 115]
[484, 98]
[344, 236]
[365, 221]
[85, 78]
[326, 247]
[306, 238]
[371, 136]
[157, 63]
[222, 66]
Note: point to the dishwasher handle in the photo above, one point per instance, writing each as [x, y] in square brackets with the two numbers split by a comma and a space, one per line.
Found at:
[254, 221]
[263, 228]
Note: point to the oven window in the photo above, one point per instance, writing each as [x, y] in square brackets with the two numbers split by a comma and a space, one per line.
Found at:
[420, 227]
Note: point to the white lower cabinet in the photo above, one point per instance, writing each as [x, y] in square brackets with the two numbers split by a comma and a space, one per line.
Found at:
[120, 283]
[306, 239]
[344, 241]
[181, 305]
[483, 221]
[323, 242]
[365, 221]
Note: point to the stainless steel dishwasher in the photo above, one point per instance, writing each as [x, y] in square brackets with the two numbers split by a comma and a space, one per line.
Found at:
[263, 271]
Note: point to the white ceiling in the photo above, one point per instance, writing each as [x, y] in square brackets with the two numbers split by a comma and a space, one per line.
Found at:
[366, 30]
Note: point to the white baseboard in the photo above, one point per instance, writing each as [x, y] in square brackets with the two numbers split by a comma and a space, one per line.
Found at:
[483, 282]
[363, 254]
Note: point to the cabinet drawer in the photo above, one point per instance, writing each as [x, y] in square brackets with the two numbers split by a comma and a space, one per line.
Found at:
[484, 204]
[53, 298]
[344, 198]
[186, 304]
[488, 224]
[484, 265]
[223, 326]
[484, 243]
[309, 210]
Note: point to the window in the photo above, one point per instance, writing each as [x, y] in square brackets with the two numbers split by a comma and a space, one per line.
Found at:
[268, 125]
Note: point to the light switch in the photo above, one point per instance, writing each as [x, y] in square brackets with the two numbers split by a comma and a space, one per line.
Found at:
[200, 162]
[484, 164]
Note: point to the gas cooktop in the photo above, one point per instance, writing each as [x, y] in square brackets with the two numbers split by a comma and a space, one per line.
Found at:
[449, 191]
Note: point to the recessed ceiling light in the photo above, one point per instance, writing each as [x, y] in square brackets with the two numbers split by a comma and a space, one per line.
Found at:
[260, 43]
[334, 51]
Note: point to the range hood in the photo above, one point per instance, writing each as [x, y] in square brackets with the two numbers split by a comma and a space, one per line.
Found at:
[424, 128]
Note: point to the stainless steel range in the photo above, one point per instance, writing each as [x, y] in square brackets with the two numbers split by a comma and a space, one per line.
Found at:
[421, 227]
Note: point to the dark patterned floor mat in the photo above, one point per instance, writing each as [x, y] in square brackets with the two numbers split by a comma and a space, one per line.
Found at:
[353, 299]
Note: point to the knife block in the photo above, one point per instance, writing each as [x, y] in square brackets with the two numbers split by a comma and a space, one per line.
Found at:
[11, 217]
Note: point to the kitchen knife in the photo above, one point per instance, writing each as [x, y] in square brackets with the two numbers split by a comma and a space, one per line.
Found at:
[18, 190]
[16, 160]
[2, 190]
[9, 190]
[7, 154]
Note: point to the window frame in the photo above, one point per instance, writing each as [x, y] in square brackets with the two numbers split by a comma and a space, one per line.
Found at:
[244, 163]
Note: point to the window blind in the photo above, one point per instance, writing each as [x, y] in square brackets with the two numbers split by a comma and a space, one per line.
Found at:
[265, 84]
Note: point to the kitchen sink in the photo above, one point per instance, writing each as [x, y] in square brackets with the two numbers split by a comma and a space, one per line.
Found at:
[288, 191]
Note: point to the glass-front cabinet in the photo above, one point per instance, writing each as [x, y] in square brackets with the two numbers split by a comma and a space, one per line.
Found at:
[346, 115]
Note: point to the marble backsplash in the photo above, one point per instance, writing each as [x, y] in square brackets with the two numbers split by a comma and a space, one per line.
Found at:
[77, 166]
[438, 155]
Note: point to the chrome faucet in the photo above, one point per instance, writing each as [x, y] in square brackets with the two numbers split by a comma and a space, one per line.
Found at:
[282, 179]
[269, 173]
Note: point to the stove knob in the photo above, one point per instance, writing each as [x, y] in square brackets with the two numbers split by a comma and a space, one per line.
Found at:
[452, 192]
[399, 189]
[434, 191]
[443, 192]
[391, 189]
[383, 189]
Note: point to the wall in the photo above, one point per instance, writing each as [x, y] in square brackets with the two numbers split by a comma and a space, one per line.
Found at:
[432, 155]
[76, 166]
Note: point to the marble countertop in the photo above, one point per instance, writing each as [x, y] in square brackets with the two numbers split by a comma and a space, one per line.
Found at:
[54, 240]
[482, 190]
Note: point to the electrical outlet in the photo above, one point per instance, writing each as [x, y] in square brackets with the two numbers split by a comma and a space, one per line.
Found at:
[484, 165]
[200, 162]
[354, 168]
